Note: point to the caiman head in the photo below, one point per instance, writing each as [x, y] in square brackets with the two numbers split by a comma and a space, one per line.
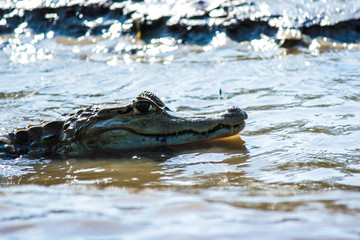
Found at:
[147, 122]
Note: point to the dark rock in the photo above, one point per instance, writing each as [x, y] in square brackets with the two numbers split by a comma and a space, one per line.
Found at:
[196, 23]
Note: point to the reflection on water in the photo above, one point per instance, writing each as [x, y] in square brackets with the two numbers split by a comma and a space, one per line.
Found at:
[294, 167]
[135, 170]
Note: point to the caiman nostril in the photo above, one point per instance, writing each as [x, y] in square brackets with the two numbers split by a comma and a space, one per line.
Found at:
[234, 109]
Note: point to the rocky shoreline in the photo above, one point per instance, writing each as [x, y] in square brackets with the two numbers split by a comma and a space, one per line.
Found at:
[187, 22]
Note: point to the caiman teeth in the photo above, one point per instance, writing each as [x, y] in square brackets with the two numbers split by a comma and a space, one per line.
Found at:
[184, 132]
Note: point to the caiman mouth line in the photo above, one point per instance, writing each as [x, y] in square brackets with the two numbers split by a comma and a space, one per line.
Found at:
[184, 132]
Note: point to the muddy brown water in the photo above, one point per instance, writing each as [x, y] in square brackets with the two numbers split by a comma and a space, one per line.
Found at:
[292, 173]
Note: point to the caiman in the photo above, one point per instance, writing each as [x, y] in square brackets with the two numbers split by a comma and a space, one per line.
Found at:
[143, 123]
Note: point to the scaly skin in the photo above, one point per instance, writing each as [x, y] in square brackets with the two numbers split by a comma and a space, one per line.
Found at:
[146, 122]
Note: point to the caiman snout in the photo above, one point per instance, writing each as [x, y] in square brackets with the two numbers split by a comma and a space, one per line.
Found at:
[236, 111]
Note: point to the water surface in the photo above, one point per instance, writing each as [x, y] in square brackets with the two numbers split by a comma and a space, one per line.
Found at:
[292, 173]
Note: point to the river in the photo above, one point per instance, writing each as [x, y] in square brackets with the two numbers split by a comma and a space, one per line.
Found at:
[292, 173]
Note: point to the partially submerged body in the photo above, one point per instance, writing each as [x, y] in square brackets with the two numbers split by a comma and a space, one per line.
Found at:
[146, 122]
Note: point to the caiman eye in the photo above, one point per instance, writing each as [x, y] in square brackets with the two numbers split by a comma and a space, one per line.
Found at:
[143, 106]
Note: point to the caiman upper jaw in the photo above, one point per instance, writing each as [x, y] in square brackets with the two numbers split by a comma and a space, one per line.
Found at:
[170, 123]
